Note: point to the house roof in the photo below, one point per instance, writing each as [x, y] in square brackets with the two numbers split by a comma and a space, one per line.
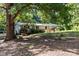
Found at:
[40, 24]
[51, 25]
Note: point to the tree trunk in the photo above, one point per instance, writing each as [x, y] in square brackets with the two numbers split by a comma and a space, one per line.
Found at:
[10, 21]
[9, 26]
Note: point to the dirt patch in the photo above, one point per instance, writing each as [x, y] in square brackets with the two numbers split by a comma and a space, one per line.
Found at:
[40, 46]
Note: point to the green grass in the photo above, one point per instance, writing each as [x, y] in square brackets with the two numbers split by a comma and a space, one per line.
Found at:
[68, 33]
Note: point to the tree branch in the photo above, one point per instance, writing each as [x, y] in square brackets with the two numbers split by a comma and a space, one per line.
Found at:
[18, 12]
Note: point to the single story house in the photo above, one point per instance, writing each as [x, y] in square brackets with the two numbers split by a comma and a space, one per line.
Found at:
[44, 27]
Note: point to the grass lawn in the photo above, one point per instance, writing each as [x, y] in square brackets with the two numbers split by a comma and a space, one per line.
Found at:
[68, 33]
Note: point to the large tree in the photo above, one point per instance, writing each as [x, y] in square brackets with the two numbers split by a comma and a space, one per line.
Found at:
[10, 17]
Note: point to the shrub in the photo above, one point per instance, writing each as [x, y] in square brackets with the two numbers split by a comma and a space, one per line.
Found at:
[31, 30]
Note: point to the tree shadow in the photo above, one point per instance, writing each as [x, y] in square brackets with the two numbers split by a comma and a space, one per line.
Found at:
[45, 43]
[37, 44]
